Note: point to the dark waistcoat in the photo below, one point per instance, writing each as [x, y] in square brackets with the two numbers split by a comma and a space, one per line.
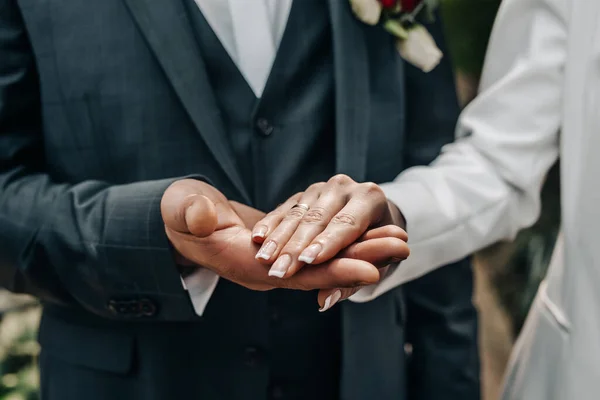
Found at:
[282, 142]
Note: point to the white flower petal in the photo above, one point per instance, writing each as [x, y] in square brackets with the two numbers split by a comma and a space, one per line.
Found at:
[368, 11]
[420, 49]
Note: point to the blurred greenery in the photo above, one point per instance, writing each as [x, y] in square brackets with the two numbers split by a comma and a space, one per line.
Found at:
[468, 25]
[19, 350]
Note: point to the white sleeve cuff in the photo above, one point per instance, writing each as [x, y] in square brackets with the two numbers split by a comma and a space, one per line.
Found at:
[427, 246]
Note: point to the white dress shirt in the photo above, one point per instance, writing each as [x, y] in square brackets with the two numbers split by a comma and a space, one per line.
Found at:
[250, 31]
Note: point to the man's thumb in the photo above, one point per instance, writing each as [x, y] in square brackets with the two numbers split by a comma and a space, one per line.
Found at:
[191, 213]
[201, 216]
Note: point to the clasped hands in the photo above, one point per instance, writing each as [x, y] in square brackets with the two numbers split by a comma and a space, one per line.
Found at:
[336, 237]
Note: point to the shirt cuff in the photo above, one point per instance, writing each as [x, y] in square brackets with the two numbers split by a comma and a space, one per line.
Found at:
[200, 285]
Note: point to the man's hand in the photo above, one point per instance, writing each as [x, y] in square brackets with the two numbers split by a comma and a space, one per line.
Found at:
[249, 215]
[206, 230]
[313, 226]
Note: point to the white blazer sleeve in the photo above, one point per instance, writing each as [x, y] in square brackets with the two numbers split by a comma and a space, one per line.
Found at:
[485, 187]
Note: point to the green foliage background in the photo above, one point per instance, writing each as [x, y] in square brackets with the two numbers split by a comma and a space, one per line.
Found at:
[468, 25]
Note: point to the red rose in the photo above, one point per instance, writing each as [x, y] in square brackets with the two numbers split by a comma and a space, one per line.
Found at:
[409, 5]
[388, 3]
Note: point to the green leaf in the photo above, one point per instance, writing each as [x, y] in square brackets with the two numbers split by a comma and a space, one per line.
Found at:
[395, 28]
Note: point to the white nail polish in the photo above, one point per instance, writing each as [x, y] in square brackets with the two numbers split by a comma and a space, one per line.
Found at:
[266, 252]
[306, 259]
[309, 255]
[281, 266]
[331, 300]
[260, 232]
[277, 274]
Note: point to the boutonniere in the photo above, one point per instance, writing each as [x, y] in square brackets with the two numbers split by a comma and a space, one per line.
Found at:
[399, 17]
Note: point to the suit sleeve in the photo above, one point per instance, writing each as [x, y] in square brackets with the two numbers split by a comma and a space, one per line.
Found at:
[83, 244]
[485, 187]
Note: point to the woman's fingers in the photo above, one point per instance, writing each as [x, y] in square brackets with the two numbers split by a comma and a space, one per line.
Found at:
[270, 221]
[327, 298]
[346, 227]
[293, 242]
[282, 226]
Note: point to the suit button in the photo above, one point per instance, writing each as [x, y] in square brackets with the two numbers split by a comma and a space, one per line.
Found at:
[252, 356]
[264, 127]
[132, 308]
[147, 308]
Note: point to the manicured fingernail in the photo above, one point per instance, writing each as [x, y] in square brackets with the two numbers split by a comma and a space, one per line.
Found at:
[259, 232]
[331, 300]
[267, 251]
[310, 253]
[281, 266]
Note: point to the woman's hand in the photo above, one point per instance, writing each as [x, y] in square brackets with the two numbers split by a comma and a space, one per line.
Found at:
[314, 226]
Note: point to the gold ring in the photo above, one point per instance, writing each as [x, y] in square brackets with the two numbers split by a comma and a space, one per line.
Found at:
[305, 207]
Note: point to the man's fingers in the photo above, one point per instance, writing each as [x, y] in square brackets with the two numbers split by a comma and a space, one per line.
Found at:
[385, 231]
[379, 252]
[340, 272]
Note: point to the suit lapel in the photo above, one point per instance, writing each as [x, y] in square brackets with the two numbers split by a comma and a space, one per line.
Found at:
[169, 33]
[351, 91]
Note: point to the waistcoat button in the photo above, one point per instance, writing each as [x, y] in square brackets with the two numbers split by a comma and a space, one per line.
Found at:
[264, 127]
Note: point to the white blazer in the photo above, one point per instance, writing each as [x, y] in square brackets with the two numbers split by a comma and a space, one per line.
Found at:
[542, 77]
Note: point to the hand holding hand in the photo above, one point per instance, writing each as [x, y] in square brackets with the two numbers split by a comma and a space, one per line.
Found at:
[206, 230]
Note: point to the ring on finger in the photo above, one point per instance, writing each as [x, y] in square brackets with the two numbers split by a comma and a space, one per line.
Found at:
[303, 206]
